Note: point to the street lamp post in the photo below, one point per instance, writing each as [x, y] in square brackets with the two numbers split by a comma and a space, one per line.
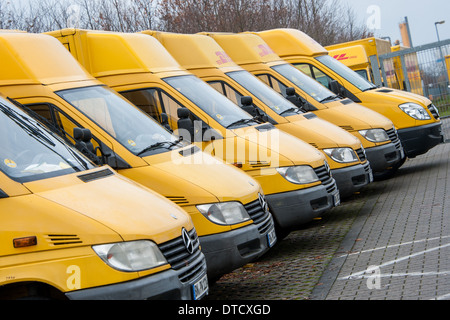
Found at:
[435, 25]
[440, 51]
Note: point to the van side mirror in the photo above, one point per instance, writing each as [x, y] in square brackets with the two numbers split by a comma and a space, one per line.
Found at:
[185, 125]
[336, 88]
[82, 137]
[292, 97]
[165, 121]
[247, 105]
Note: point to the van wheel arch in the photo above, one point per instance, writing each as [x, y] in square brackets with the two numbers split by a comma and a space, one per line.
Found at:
[30, 291]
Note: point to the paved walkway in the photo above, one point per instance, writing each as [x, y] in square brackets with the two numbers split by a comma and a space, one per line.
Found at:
[391, 241]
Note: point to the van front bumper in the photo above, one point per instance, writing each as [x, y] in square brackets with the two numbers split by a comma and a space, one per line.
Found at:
[295, 208]
[233, 249]
[164, 285]
[418, 140]
[385, 156]
[352, 179]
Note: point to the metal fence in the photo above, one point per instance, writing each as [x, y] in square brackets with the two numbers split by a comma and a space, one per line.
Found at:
[427, 68]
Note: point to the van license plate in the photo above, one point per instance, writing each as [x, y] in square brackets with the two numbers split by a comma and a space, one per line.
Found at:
[200, 288]
[271, 237]
[370, 176]
[337, 199]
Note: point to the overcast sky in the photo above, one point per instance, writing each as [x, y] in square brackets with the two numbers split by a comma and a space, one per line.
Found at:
[422, 14]
[384, 17]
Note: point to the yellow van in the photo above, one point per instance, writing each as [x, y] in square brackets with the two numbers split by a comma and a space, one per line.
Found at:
[230, 217]
[415, 117]
[376, 132]
[294, 176]
[72, 230]
[208, 61]
[360, 55]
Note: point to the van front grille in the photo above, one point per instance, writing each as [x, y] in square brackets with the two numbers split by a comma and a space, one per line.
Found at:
[393, 136]
[179, 258]
[261, 218]
[324, 176]
[434, 111]
[361, 154]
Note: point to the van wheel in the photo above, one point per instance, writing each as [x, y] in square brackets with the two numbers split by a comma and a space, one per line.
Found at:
[282, 233]
[389, 173]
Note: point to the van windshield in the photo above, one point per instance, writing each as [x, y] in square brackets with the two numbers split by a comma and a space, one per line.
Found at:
[263, 92]
[29, 152]
[346, 73]
[216, 105]
[131, 127]
[310, 86]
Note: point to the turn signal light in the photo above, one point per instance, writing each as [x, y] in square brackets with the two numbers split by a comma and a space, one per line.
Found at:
[25, 242]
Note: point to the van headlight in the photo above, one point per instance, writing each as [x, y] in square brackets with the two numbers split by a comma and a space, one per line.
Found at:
[375, 135]
[298, 174]
[415, 111]
[224, 213]
[342, 155]
[131, 255]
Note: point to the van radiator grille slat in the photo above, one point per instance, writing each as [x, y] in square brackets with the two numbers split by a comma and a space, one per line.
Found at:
[179, 258]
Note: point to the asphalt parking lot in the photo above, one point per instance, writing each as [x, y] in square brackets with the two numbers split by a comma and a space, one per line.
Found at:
[389, 242]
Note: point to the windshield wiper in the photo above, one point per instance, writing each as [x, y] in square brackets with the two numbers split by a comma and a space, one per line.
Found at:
[241, 121]
[155, 146]
[26, 124]
[329, 98]
[290, 110]
[371, 88]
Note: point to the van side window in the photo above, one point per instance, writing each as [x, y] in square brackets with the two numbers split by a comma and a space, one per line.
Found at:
[56, 121]
[147, 100]
[275, 84]
[159, 101]
[315, 73]
[227, 91]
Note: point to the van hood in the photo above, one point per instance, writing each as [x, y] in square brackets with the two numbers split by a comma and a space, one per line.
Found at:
[319, 133]
[399, 96]
[123, 206]
[284, 149]
[207, 178]
[353, 117]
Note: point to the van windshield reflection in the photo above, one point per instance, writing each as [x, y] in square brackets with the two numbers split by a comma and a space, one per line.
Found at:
[216, 105]
[131, 127]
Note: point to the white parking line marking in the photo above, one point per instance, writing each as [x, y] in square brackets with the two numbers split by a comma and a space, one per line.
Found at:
[397, 260]
[393, 246]
[406, 274]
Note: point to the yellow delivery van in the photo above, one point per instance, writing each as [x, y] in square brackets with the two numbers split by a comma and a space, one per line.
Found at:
[72, 230]
[343, 151]
[376, 132]
[415, 118]
[357, 55]
[227, 206]
[360, 55]
[294, 176]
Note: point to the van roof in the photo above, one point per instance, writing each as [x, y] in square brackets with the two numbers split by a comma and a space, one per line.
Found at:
[292, 42]
[111, 53]
[28, 58]
[195, 51]
[246, 48]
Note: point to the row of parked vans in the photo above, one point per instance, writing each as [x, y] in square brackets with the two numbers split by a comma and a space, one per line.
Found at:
[148, 165]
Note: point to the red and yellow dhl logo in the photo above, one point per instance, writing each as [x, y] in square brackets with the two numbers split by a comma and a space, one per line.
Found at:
[223, 58]
[343, 56]
[265, 50]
